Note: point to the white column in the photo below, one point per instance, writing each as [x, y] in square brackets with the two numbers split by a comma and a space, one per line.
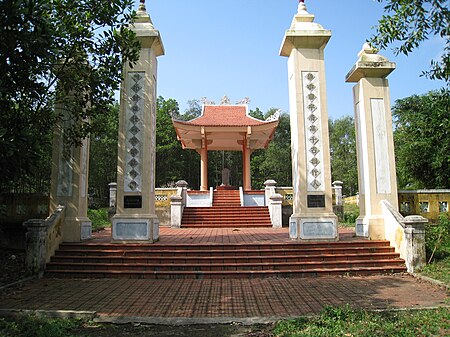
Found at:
[304, 44]
[136, 218]
[375, 150]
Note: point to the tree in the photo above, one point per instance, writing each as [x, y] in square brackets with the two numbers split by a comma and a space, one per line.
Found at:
[343, 153]
[422, 140]
[275, 161]
[103, 154]
[57, 51]
[410, 22]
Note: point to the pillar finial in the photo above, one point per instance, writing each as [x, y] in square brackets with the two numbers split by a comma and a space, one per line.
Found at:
[142, 5]
[302, 7]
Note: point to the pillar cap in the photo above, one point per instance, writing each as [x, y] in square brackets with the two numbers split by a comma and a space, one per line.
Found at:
[146, 33]
[270, 183]
[304, 32]
[181, 183]
[370, 64]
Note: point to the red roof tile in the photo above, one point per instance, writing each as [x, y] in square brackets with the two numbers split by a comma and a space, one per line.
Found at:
[225, 115]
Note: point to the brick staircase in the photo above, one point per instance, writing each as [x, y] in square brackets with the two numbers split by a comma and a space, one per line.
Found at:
[226, 212]
[249, 260]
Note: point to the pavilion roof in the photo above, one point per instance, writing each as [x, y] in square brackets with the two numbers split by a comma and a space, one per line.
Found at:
[225, 115]
[225, 127]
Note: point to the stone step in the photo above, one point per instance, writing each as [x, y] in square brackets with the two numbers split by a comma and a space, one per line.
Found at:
[231, 247]
[227, 274]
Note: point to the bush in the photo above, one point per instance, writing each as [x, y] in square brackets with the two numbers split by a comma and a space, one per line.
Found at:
[351, 213]
[99, 218]
[437, 239]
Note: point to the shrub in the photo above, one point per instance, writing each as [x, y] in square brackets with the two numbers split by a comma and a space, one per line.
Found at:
[99, 218]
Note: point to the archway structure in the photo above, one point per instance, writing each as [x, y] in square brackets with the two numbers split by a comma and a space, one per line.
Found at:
[225, 128]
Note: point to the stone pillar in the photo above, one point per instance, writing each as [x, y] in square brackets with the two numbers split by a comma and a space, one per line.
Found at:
[36, 246]
[338, 206]
[177, 204]
[373, 121]
[112, 195]
[69, 183]
[136, 218]
[415, 242]
[276, 210]
[204, 169]
[226, 177]
[304, 44]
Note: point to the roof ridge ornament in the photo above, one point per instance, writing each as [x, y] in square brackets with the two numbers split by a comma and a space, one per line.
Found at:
[142, 6]
[302, 7]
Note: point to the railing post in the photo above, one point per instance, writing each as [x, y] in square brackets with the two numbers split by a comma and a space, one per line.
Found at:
[177, 204]
[276, 210]
[415, 242]
[36, 246]
[269, 190]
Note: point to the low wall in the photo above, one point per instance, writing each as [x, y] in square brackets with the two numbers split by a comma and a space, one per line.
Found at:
[428, 203]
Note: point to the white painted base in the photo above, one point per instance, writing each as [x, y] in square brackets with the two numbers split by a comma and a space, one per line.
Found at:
[135, 229]
[362, 229]
[86, 230]
[313, 228]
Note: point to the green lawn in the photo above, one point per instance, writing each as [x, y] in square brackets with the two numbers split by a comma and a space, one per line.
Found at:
[347, 322]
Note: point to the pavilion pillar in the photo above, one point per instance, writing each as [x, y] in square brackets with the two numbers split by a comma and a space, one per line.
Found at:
[247, 180]
[304, 44]
[204, 169]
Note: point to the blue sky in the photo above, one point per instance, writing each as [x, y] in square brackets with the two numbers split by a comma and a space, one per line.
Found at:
[231, 47]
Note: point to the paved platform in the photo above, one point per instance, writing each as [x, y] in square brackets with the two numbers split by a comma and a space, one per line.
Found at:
[215, 299]
[221, 235]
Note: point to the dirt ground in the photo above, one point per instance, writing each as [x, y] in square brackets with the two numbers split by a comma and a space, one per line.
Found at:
[12, 265]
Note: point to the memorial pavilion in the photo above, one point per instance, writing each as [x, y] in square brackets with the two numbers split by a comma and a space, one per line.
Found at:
[225, 128]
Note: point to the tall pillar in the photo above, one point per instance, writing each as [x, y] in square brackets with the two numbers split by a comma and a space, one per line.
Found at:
[246, 157]
[304, 44]
[136, 219]
[204, 169]
[373, 121]
[70, 170]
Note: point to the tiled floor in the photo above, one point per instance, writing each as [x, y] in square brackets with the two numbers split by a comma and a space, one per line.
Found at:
[220, 235]
[222, 298]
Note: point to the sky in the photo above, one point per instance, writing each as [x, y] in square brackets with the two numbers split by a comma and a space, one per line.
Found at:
[231, 47]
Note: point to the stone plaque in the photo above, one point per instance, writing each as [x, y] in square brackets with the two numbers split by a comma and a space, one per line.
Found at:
[318, 229]
[316, 201]
[131, 231]
[132, 201]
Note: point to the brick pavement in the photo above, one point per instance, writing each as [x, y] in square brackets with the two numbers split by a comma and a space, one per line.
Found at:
[240, 298]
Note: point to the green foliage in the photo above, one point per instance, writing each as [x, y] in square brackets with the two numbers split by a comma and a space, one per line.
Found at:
[275, 161]
[409, 23]
[99, 218]
[422, 140]
[348, 322]
[32, 326]
[343, 153]
[103, 155]
[351, 213]
[437, 238]
[66, 52]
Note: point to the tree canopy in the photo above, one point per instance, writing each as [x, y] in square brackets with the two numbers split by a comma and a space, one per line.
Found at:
[422, 140]
[57, 51]
[409, 23]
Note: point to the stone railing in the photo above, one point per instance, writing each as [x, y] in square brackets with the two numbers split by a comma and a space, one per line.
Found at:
[288, 195]
[43, 237]
[274, 201]
[406, 235]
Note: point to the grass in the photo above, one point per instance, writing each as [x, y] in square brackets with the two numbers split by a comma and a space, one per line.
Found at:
[32, 326]
[438, 250]
[348, 322]
[99, 218]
